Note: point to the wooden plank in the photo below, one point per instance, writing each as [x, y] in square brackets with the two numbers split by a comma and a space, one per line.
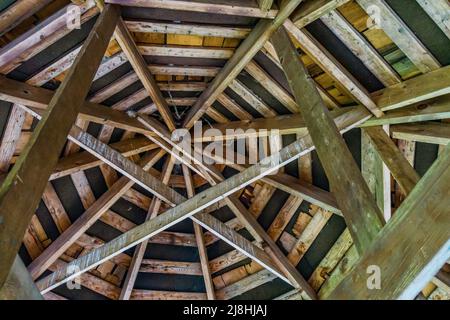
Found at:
[260, 75]
[19, 285]
[402, 36]
[18, 12]
[84, 160]
[11, 136]
[24, 181]
[139, 65]
[438, 10]
[140, 249]
[428, 86]
[265, 4]
[361, 48]
[188, 29]
[186, 51]
[437, 133]
[409, 256]
[40, 37]
[342, 171]
[243, 8]
[310, 11]
[257, 103]
[436, 109]
[334, 68]
[242, 56]
[401, 170]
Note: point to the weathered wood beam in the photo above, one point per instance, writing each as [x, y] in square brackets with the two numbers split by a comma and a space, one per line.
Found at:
[84, 160]
[24, 181]
[265, 4]
[332, 66]
[435, 109]
[139, 65]
[412, 247]
[37, 100]
[401, 170]
[438, 10]
[360, 210]
[18, 12]
[11, 136]
[188, 29]
[433, 132]
[428, 86]
[19, 285]
[41, 36]
[313, 10]
[140, 249]
[242, 56]
[245, 9]
[402, 35]
[361, 48]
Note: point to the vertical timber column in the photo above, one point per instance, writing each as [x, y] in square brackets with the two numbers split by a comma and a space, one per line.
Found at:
[362, 215]
[22, 189]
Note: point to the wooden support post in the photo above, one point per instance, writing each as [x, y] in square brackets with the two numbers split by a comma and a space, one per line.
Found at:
[24, 181]
[412, 247]
[360, 210]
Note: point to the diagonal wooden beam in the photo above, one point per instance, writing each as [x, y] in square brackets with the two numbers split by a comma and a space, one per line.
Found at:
[412, 247]
[18, 12]
[432, 132]
[401, 34]
[438, 10]
[401, 170]
[11, 136]
[332, 66]
[361, 48]
[41, 36]
[360, 210]
[242, 56]
[24, 181]
[139, 65]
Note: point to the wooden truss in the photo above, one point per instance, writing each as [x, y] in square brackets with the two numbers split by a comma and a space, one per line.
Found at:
[406, 236]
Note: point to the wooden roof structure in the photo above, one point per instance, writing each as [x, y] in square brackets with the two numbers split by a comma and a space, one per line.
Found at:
[355, 182]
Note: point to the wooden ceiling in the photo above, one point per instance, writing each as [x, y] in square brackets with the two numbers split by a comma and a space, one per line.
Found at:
[380, 68]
